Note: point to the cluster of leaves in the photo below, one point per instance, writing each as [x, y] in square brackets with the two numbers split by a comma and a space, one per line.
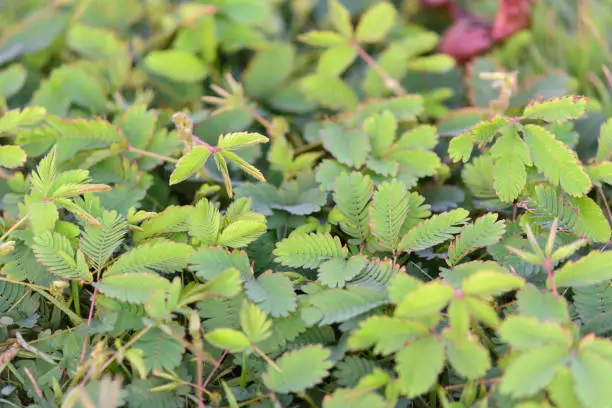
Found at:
[248, 203]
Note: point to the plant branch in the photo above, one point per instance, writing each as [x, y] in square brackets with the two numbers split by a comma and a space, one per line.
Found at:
[133, 149]
[215, 368]
[606, 205]
[390, 82]
[13, 228]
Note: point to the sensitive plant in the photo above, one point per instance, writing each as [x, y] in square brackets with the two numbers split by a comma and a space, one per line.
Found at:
[312, 228]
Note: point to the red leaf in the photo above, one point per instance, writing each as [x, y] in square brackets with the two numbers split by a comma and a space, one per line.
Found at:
[466, 39]
[513, 16]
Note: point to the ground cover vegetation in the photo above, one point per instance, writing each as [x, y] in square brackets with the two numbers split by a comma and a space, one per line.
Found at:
[235, 203]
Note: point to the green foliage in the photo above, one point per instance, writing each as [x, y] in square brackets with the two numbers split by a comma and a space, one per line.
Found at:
[251, 203]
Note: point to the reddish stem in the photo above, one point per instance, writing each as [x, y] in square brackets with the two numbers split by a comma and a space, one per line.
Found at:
[215, 368]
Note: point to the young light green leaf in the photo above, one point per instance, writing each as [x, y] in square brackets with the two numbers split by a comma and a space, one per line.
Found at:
[228, 283]
[12, 156]
[467, 356]
[509, 173]
[557, 109]
[558, 163]
[322, 38]
[176, 65]
[340, 18]
[533, 370]
[387, 334]
[491, 283]
[425, 300]
[526, 332]
[189, 164]
[375, 23]
[334, 61]
[233, 141]
[460, 147]
[254, 323]
[588, 270]
[233, 341]
[434, 231]
[428, 354]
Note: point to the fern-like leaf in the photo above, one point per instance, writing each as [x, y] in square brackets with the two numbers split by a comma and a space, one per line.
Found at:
[377, 272]
[388, 212]
[172, 219]
[546, 205]
[556, 161]
[205, 222]
[594, 307]
[352, 193]
[309, 250]
[241, 233]
[557, 109]
[350, 370]
[160, 350]
[339, 305]
[55, 252]
[434, 231]
[486, 230]
[99, 243]
[161, 256]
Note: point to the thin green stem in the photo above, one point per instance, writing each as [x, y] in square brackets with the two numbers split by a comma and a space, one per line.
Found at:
[243, 372]
[141, 152]
[307, 398]
[75, 297]
[605, 201]
[390, 82]
[13, 228]
[268, 359]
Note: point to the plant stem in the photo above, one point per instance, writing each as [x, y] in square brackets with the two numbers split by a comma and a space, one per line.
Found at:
[13, 228]
[262, 121]
[75, 297]
[390, 82]
[551, 276]
[199, 141]
[215, 368]
[307, 398]
[43, 292]
[268, 359]
[605, 200]
[199, 394]
[34, 383]
[89, 319]
[133, 149]
[125, 347]
[243, 372]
